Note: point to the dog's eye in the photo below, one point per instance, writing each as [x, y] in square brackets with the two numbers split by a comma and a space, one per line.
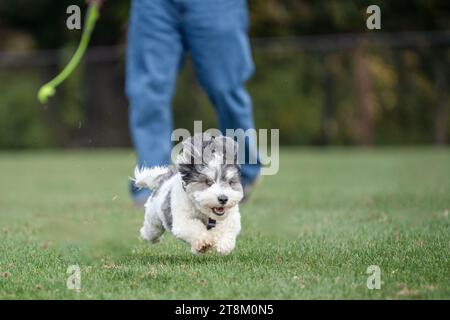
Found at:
[209, 182]
[234, 181]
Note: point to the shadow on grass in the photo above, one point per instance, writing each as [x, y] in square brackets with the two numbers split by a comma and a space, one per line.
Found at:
[170, 257]
[178, 258]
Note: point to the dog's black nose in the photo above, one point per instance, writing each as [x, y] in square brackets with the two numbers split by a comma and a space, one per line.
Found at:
[222, 199]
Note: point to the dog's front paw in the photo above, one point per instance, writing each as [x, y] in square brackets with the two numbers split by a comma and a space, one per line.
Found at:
[224, 247]
[201, 245]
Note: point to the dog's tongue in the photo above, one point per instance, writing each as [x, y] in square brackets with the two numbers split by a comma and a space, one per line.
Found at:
[218, 210]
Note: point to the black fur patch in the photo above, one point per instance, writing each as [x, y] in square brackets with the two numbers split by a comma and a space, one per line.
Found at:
[167, 211]
[190, 173]
[227, 167]
[163, 178]
[235, 180]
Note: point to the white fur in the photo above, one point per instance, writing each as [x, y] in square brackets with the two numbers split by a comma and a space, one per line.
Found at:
[190, 214]
[146, 177]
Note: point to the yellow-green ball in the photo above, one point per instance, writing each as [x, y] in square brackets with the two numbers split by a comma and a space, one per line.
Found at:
[45, 92]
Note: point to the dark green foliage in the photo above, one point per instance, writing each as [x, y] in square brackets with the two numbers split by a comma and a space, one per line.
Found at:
[311, 95]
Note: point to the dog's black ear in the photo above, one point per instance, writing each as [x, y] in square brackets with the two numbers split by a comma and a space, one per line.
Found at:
[189, 172]
[186, 168]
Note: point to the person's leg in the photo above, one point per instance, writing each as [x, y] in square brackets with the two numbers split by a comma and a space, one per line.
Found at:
[216, 35]
[153, 57]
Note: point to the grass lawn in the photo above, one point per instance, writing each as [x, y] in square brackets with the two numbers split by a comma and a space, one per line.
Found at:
[309, 232]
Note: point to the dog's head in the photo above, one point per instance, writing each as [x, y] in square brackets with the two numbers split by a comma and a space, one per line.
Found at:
[211, 175]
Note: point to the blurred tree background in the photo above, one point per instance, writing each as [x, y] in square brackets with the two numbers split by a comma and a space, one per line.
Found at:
[321, 76]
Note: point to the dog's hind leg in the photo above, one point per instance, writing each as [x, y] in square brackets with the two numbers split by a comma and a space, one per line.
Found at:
[152, 229]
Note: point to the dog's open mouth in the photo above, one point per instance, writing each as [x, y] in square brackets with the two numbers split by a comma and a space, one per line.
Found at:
[218, 210]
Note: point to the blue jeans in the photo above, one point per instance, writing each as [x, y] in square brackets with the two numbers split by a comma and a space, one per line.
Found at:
[214, 32]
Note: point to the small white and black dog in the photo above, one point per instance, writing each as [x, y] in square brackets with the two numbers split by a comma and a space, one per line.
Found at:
[197, 198]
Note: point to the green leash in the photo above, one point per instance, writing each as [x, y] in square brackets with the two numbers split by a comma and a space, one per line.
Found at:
[49, 89]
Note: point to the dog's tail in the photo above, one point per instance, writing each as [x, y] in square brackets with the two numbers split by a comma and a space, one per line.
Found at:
[151, 178]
